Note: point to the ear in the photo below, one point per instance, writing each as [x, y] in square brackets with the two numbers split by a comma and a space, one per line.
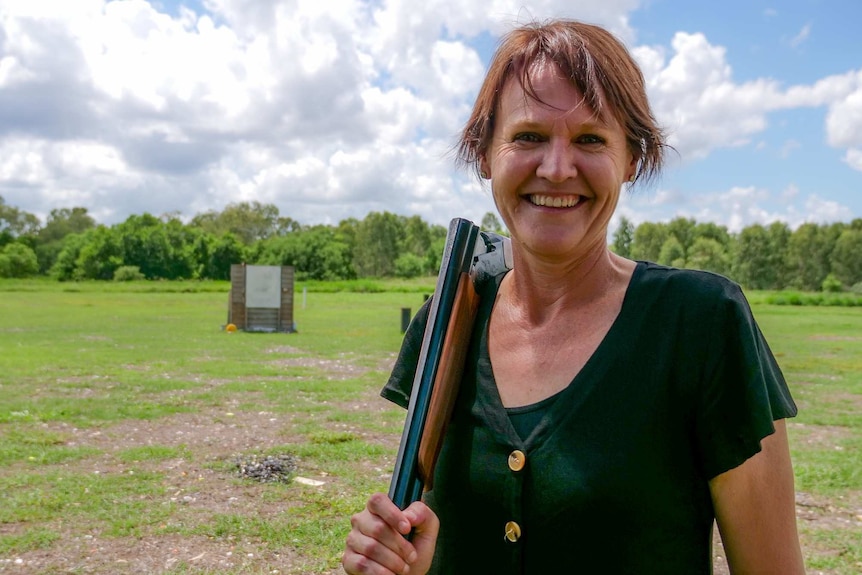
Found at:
[632, 171]
[484, 167]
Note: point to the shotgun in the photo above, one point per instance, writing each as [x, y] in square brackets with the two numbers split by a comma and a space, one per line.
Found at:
[470, 257]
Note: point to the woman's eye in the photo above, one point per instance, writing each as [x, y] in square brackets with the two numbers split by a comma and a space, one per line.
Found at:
[527, 137]
[591, 139]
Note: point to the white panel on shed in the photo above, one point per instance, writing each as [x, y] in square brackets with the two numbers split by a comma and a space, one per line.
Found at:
[263, 286]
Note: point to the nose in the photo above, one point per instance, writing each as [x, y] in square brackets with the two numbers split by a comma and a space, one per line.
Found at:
[558, 161]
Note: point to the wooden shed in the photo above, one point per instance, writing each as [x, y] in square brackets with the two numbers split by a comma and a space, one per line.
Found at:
[261, 298]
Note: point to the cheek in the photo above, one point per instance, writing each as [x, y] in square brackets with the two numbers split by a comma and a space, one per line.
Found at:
[496, 196]
[607, 172]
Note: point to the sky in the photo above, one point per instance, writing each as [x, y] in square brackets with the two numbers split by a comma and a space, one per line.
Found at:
[331, 109]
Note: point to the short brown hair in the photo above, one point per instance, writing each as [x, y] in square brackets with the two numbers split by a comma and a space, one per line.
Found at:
[600, 67]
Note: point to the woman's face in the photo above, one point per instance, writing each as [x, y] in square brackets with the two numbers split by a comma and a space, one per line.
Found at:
[556, 169]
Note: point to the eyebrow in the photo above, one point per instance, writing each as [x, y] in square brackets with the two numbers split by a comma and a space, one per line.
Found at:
[595, 123]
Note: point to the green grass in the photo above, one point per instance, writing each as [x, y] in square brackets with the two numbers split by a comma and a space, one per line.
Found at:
[39, 447]
[119, 503]
[834, 550]
[80, 360]
[29, 541]
[152, 453]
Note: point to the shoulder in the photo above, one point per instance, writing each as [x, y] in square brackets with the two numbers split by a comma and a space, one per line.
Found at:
[685, 284]
[698, 302]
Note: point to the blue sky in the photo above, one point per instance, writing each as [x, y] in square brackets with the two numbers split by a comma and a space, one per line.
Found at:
[794, 42]
[334, 109]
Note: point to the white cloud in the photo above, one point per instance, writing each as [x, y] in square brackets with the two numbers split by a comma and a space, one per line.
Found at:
[299, 103]
[802, 36]
[789, 194]
[734, 208]
[824, 92]
[853, 157]
[696, 99]
[22, 163]
[789, 147]
[844, 121]
[820, 210]
[694, 96]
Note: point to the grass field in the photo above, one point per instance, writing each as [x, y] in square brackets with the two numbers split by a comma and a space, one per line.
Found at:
[125, 409]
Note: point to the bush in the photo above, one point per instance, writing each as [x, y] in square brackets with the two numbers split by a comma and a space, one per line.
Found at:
[856, 288]
[813, 299]
[409, 266]
[128, 274]
[18, 261]
[832, 284]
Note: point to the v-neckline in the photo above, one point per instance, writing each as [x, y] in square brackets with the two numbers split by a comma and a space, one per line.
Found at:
[569, 397]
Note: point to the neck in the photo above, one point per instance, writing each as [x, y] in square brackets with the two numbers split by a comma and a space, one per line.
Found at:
[538, 291]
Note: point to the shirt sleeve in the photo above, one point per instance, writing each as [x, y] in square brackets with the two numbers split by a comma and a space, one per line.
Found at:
[743, 390]
[400, 383]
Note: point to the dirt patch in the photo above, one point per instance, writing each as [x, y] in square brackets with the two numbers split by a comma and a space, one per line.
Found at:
[820, 436]
[287, 350]
[822, 513]
[333, 369]
[207, 432]
[151, 554]
[343, 367]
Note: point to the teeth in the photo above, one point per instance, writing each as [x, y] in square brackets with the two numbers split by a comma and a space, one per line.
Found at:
[554, 201]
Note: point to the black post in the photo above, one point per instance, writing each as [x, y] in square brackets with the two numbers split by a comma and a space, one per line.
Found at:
[405, 319]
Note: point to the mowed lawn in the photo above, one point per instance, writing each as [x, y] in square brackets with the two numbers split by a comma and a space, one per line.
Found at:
[126, 414]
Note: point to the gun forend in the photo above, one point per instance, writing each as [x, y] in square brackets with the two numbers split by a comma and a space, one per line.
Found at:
[470, 256]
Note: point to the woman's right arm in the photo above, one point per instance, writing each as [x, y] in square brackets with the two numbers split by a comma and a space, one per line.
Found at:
[377, 545]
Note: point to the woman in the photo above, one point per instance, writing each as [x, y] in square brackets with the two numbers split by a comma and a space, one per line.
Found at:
[611, 410]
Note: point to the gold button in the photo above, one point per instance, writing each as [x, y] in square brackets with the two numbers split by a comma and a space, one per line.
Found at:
[517, 460]
[513, 531]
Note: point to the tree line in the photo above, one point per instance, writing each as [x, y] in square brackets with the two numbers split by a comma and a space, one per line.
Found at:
[71, 245]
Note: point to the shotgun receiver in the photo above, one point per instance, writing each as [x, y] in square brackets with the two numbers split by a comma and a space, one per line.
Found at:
[469, 258]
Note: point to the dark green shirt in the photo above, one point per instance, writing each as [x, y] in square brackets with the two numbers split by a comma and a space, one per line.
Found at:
[682, 388]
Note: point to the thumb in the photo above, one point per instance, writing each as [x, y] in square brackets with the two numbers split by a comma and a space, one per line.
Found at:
[426, 526]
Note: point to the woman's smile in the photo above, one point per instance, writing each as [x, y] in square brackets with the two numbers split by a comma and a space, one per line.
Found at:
[549, 201]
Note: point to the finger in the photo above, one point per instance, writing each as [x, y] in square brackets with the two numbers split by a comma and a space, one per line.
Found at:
[367, 556]
[379, 504]
[356, 564]
[383, 523]
[396, 522]
[422, 519]
[426, 527]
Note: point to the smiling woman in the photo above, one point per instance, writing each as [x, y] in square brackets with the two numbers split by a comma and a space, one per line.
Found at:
[610, 410]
